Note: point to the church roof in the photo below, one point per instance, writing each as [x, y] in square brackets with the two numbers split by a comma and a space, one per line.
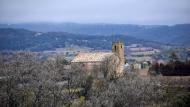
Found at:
[91, 57]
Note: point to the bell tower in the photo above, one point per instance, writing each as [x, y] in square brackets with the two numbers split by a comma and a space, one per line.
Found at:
[118, 49]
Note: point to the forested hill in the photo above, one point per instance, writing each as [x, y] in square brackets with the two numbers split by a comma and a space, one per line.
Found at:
[21, 39]
[176, 34]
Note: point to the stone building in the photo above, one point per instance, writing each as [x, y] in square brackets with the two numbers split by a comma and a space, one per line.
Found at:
[102, 61]
[118, 50]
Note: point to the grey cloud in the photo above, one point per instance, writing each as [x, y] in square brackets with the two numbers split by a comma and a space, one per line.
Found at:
[96, 11]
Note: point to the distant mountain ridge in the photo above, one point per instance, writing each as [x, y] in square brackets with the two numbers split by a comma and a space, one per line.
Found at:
[176, 34]
[21, 39]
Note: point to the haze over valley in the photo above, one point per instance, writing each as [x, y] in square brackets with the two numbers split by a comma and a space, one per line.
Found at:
[46, 36]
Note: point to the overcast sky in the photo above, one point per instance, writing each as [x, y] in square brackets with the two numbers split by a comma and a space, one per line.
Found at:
[96, 11]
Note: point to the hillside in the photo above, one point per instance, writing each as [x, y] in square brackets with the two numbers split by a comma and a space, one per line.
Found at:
[176, 34]
[21, 39]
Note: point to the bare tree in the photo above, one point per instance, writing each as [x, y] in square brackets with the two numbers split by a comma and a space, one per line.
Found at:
[27, 81]
[109, 67]
[16, 70]
[130, 91]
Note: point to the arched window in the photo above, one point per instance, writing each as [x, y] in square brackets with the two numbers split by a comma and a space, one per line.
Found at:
[121, 46]
[115, 47]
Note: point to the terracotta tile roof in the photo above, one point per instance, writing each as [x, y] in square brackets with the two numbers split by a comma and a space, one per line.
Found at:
[91, 57]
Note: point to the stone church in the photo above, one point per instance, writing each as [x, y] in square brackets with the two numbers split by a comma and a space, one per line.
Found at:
[99, 61]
